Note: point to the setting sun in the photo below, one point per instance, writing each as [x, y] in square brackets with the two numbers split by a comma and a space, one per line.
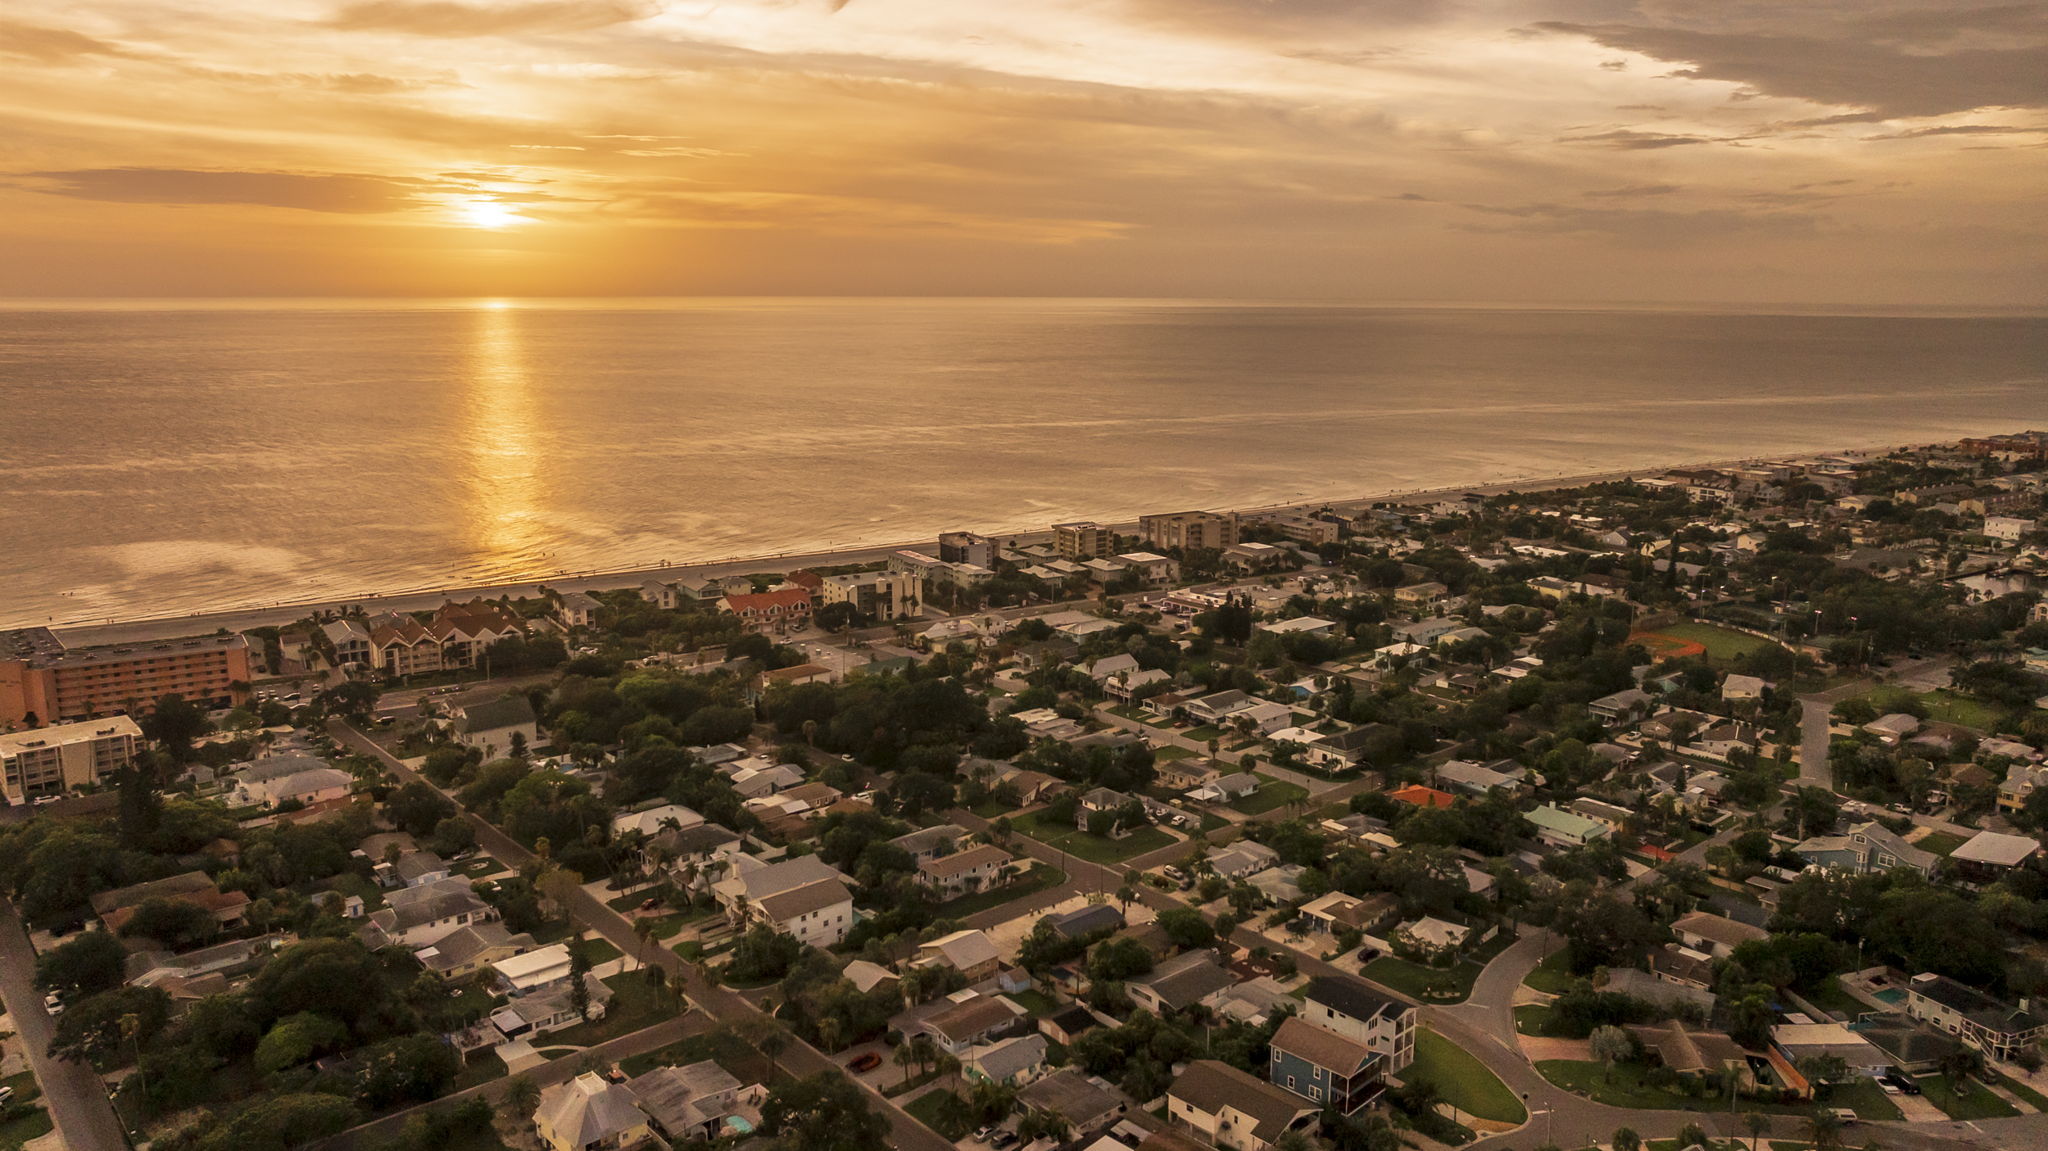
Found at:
[489, 214]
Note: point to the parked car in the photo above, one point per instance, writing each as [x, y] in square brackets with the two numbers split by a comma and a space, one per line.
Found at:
[1004, 1140]
[1899, 1079]
[866, 1062]
[53, 1005]
[1889, 1087]
[1845, 1116]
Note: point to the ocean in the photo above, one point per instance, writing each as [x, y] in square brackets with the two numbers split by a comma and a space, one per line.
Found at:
[166, 458]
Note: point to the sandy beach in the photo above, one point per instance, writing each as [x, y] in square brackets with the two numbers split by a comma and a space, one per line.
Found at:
[83, 633]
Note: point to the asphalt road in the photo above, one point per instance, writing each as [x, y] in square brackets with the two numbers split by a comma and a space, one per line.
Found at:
[720, 1004]
[73, 1092]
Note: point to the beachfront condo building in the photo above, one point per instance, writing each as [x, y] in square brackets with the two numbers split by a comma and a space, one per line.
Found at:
[53, 760]
[44, 682]
[1084, 541]
[1186, 530]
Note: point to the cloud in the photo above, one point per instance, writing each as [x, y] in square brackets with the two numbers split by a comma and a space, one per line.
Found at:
[311, 192]
[1643, 226]
[447, 18]
[51, 45]
[1844, 71]
[1633, 191]
[1632, 139]
[1961, 130]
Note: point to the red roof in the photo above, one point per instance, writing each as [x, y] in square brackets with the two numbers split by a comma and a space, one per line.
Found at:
[1422, 796]
[788, 597]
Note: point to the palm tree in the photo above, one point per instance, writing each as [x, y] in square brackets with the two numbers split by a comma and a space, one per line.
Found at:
[947, 1066]
[829, 1028]
[1626, 1139]
[523, 1095]
[1126, 895]
[906, 1054]
[643, 930]
[1758, 1123]
[1824, 1131]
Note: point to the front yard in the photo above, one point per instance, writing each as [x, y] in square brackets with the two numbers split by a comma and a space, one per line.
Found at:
[1040, 877]
[1977, 1103]
[1093, 848]
[1462, 1080]
[1272, 793]
[1415, 980]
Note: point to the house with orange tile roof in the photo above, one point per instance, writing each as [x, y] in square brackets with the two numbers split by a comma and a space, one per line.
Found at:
[1421, 796]
[781, 610]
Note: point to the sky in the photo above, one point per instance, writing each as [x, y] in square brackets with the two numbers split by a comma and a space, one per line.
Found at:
[1627, 151]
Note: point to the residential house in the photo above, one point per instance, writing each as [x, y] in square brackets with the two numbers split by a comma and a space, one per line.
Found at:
[286, 779]
[468, 950]
[535, 970]
[590, 1114]
[780, 611]
[819, 913]
[1715, 935]
[1010, 1062]
[417, 916]
[1233, 1110]
[1190, 978]
[1561, 828]
[1343, 749]
[1990, 854]
[929, 843]
[576, 609]
[1803, 1041]
[1323, 1067]
[978, 868]
[1084, 1104]
[969, 1022]
[196, 888]
[1226, 788]
[1335, 911]
[1217, 707]
[1474, 779]
[1997, 1029]
[1095, 919]
[1241, 858]
[697, 1101]
[1346, 1006]
[969, 952]
[1866, 847]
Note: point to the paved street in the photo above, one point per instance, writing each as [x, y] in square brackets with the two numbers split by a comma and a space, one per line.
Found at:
[73, 1092]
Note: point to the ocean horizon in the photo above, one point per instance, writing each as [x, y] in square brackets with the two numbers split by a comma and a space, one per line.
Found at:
[174, 456]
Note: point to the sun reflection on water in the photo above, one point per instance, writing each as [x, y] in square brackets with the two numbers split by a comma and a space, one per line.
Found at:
[501, 434]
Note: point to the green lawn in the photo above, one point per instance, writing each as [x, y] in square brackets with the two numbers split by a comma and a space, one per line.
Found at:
[1721, 643]
[598, 949]
[932, 1109]
[1865, 1098]
[1272, 793]
[1092, 848]
[2028, 1095]
[1462, 1080]
[721, 1046]
[1172, 752]
[32, 1121]
[1830, 997]
[1040, 877]
[1625, 1089]
[1979, 1103]
[1940, 842]
[482, 1067]
[1203, 734]
[1537, 1019]
[1036, 1002]
[1962, 710]
[1553, 975]
[635, 1004]
[1412, 979]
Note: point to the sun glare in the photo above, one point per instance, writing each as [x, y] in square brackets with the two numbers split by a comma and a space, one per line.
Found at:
[489, 214]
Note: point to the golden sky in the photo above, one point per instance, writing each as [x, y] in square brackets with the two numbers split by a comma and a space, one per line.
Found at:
[1811, 151]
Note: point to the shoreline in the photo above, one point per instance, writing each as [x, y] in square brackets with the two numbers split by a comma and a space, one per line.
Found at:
[102, 630]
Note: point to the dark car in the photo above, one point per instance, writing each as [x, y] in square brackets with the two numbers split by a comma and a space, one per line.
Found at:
[1902, 1081]
[861, 1063]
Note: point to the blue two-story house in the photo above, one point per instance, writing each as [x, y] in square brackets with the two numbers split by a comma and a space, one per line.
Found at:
[1324, 1067]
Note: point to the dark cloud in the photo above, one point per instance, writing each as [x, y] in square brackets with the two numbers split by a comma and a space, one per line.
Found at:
[1633, 191]
[51, 45]
[448, 18]
[1641, 226]
[1843, 70]
[311, 192]
[1962, 130]
[1634, 140]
